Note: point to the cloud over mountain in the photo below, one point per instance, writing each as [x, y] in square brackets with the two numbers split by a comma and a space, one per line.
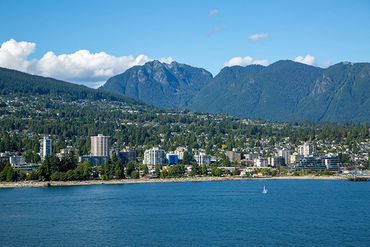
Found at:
[82, 66]
[308, 59]
[244, 61]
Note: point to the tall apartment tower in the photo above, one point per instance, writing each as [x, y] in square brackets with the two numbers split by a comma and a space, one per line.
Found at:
[46, 147]
[306, 149]
[99, 145]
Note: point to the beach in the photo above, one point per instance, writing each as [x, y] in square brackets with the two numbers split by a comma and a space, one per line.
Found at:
[21, 184]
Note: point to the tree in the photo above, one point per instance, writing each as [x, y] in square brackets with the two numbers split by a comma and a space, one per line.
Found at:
[188, 158]
[216, 172]
[195, 170]
[8, 174]
[130, 168]
[135, 174]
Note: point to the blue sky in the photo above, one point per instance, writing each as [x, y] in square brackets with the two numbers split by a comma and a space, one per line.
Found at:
[200, 33]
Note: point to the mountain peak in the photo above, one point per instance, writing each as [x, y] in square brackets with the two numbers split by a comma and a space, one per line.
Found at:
[165, 85]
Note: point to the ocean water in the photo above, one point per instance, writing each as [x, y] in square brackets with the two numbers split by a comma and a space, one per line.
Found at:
[227, 213]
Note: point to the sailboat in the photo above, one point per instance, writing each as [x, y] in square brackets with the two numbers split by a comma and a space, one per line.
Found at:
[264, 191]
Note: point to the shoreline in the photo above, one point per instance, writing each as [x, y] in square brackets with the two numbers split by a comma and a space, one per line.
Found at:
[29, 184]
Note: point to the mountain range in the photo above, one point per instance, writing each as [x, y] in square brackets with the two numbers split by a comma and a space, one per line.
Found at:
[282, 91]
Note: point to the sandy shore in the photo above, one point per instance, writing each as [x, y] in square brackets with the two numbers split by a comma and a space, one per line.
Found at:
[21, 184]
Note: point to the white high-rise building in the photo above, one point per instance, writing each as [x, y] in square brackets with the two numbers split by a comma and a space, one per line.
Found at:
[46, 147]
[306, 149]
[153, 157]
[100, 145]
[203, 159]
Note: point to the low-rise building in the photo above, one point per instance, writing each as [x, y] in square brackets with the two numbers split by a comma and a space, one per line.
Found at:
[69, 150]
[16, 160]
[311, 163]
[331, 162]
[94, 160]
[260, 163]
[26, 167]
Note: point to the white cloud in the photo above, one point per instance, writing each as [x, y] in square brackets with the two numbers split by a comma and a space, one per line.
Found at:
[258, 36]
[308, 59]
[244, 61]
[14, 54]
[82, 66]
[213, 12]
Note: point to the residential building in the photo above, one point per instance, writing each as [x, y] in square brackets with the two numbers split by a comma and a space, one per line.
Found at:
[15, 160]
[202, 158]
[180, 151]
[260, 163]
[93, 159]
[284, 153]
[311, 163]
[295, 158]
[100, 145]
[46, 147]
[172, 158]
[233, 155]
[69, 150]
[153, 157]
[127, 154]
[5, 156]
[331, 162]
[306, 149]
[279, 161]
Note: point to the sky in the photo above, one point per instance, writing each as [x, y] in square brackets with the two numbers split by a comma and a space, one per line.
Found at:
[89, 41]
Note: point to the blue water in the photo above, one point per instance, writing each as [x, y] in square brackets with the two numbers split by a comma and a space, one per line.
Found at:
[229, 213]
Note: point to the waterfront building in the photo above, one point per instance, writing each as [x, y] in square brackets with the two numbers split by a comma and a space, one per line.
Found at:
[127, 154]
[331, 162]
[180, 151]
[93, 159]
[202, 158]
[16, 160]
[172, 158]
[26, 167]
[5, 156]
[233, 155]
[311, 163]
[279, 161]
[306, 149]
[69, 150]
[153, 157]
[260, 163]
[100, 145]
[284, 153]
[295, 158]
[46, 147]
[271, 161]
